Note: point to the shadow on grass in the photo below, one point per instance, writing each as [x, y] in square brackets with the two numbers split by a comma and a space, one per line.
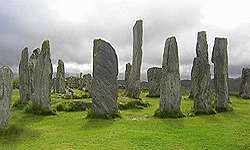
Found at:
[177, 123]
[98, 123]
[210, 118]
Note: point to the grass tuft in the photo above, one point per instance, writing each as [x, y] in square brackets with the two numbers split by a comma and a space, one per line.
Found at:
[165, 114]
[94, 115]
[38, 110]
[133, 103]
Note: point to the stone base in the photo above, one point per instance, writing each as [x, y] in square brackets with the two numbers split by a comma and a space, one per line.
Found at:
[93, 115]
[165, 114]
[224, 109]
[204, 112]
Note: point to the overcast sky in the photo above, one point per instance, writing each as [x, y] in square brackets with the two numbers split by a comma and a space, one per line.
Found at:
[71, 26]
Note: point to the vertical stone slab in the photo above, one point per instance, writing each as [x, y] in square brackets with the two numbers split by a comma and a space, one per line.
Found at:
[32, 63]
[245, 83]
[170, 98]
[43, 77]
[24, 84]
[60, 78]
[127, 74]
[104, 84]
[87, 80]
[134, 78]
[201, 76]
[81, 81]
[154, 75]
[6, 85]
[220, 61]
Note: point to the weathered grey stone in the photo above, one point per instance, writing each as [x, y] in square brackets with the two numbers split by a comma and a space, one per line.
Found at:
[104, 83]
[6, 83]
[69, 95]
[87, 81]
[170, 98]
[32, 63]
[43, 77]
[245, 83]
[134, 77]
[81, 81]
[201, 76]
[154, 80]
[60, 78]
[220, 60]
[127, 74]
[24, 76]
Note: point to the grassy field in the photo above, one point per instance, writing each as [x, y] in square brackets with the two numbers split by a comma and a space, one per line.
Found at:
[137, 129]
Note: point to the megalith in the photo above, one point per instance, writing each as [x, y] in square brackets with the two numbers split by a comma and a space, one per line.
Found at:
[154, 75]
[6, 85]
[245, 83]
[104, 82]
[201, 76]
[170, 93]
[81, 81]
[134, 77]
[43, 77]
[127, 74]
[60, 78]
[24, 89]
[220, 61]
[32, 63]
[87, 80]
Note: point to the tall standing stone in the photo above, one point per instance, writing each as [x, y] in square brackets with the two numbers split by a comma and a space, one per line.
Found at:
[134, 78]
[32, 63]
[104, 84]
[127, 74]
[60, 78]
[43, 77]
[170, 98]
[201, 76]
[87, 80]
[6, 84]
[154, 75]
[81, 81]
[24, 76]
[220, 60]
[245, 83]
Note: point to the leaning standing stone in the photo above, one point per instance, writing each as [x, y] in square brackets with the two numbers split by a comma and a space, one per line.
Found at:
[154, 80]
[220, 60]
[104, 84]
[134, 78]
[170, 98]
[245, 83]
[43, 77]
[127, 74]
[60, 78]
[6, 84]
[24, 76]
[201, 76]
[32, 63]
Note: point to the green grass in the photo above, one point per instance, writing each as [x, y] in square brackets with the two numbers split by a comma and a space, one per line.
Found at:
[137, 129]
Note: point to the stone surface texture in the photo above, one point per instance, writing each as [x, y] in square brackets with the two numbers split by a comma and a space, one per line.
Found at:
[60, 84]
[87, 81]
[134, 78]
[127, 74]
[6, 84]
[32, 63]
[201, 76]
[170, 98]
[43, 77]
[245, 83]
[220, 61]
[104, 83]
[24, 80]
[154, 75]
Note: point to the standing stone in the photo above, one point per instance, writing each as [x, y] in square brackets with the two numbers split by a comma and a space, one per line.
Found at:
[134, 77]
[154, 80]
[87, 80]
[6, 84]
[201, 76]
[220, 60]
[60, 78]
[81, 81]
[170, 98]
[127, 74]
[104, 84]
[245, 83]
[24, 76]
[32, 63]
[43, 77]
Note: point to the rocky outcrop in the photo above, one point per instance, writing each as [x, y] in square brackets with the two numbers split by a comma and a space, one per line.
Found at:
[134, 77]
[104, 83]
[170, 98]
[60, 78]
[43, 77]
[245, 83]
[154, 75]
[220, 60]
[6, 84]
